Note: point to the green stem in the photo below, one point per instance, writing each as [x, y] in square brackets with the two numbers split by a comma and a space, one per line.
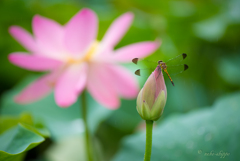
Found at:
[84, 117]
[148, 148]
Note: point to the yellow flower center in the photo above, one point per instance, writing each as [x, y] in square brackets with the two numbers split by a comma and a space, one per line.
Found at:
[88, 56]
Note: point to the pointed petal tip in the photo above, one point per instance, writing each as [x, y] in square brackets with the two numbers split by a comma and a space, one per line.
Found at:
[81, 31]
[132, 95]
[37, 18]
[86, 10]
[117, 30]
[113, 106]
[23, 37]
[158, 42]
[11, 58]
[127, 17]
[17, 99]
[155, 45]
[20, 99]
[129, 14]
[64, 104]
[13, 29]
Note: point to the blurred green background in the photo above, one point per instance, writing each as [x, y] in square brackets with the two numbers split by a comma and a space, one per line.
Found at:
[201, 114]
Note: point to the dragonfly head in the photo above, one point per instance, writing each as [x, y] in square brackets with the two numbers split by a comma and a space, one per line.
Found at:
[160, 62]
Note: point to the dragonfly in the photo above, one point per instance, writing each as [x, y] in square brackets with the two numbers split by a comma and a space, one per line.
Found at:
[171, 65]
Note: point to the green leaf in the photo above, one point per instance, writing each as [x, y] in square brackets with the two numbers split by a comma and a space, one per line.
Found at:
[6, 122]
[16, 141]
[206, 134]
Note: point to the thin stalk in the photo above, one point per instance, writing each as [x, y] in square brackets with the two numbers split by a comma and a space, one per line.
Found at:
[148, 148]
[87, 135]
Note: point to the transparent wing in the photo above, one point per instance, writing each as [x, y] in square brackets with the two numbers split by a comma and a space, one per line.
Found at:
[145, 67]
[144, 72]
[176, 69]
[145, 62]
[177, 60]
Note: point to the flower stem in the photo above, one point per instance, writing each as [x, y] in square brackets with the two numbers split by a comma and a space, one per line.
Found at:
[148, 148]
[84, 117]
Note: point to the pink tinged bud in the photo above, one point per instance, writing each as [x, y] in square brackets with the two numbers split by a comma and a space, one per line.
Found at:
[152, 97]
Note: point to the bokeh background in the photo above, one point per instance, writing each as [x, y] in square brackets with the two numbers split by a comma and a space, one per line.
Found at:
[201, 117]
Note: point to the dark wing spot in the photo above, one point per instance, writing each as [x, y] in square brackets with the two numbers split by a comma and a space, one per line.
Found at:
[137, 72]
[184, 55]
[135, 60]
[185, 67]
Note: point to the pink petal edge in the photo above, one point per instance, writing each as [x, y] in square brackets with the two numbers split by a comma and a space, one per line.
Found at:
[117, 30]
[81, 31]
[49, 36]
[101, 87]
[70, 83]
[37, 89]
[137, 50]
[33, 62]
[124, 82]
[23, 37]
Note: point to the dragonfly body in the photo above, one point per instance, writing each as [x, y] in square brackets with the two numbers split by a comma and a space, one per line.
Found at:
[165, 66]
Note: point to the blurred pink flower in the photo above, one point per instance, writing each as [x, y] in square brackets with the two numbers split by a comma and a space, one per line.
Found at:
[76, 60]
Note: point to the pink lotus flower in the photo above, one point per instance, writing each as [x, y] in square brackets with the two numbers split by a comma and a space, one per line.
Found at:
[75, 60]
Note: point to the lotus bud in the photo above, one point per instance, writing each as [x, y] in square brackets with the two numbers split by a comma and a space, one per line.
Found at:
[152, 97]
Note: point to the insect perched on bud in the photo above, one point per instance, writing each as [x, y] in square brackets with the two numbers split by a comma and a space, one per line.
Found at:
[152, 97]
[165, 65]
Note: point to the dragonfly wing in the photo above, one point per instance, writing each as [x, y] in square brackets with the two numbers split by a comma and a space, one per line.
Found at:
[137, 72]
[144, 62]
[145, 67]
[135, 60]
[144, 72]
[177, 69]
[178, 59]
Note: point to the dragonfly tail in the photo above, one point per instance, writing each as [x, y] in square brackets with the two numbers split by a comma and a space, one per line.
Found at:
[169, 76]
